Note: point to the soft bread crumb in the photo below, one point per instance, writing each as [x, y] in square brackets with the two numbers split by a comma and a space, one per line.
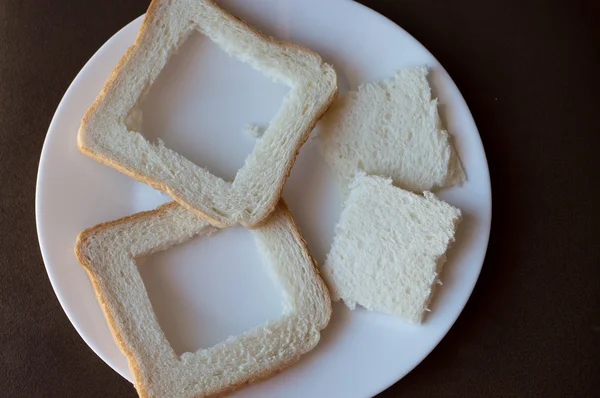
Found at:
[390, 128]
[389, 248]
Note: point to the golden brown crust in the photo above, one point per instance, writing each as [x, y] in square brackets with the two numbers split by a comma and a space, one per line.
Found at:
[254, 222]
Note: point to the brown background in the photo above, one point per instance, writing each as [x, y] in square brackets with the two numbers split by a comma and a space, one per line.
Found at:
[529, 72]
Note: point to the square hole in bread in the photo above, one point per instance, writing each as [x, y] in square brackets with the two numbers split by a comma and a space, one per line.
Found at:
[210, 288]
[201, 102]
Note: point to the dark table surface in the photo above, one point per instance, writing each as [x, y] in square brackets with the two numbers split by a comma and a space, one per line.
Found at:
[529, 72]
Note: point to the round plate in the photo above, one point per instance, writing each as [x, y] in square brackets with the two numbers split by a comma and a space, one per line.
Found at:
[210, 288]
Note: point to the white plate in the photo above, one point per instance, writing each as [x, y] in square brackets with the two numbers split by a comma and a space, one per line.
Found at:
[207, 289]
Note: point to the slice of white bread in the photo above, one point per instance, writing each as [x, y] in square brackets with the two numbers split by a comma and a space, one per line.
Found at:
[390, 128]
[110, 129]
[389, 248]
[108, 252]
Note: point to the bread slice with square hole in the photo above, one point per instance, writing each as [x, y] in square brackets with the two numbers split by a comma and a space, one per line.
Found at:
[110, 128]
[108, 252]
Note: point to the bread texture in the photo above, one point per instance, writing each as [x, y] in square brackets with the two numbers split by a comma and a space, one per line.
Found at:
[389, 248]
[108, 252]
[110, 128]
[390, 128]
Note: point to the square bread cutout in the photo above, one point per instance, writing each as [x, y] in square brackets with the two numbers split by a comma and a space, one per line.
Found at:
[389, 248]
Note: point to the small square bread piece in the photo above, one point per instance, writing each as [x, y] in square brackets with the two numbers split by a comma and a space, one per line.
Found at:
[390, 128]
[389, 248]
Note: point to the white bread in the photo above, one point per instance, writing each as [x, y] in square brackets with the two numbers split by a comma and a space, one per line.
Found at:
[390, 128]
[108, 252]
[389, 248]
[110, 129]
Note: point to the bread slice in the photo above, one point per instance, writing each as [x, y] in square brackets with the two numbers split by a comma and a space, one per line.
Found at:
[110, 129]
[108, 253]
[390, 128]
[389, 248]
